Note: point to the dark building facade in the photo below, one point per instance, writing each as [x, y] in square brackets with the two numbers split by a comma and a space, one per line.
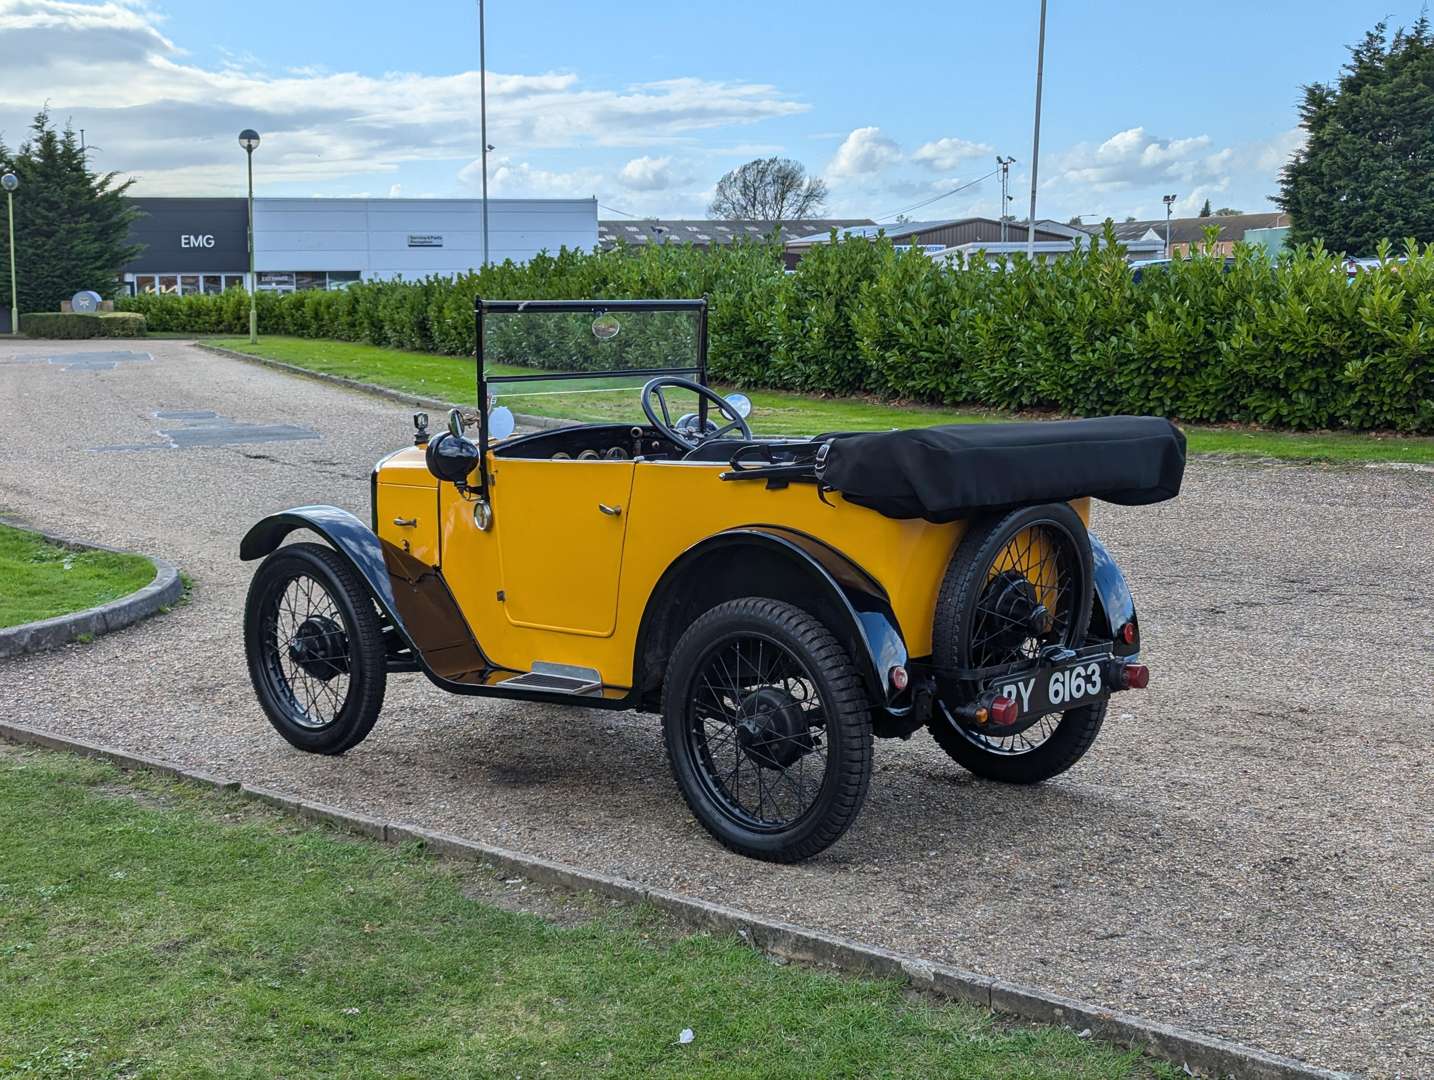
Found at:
[190, 245]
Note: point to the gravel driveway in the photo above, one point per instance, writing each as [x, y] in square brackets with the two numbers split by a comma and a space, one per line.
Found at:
[1246, 851]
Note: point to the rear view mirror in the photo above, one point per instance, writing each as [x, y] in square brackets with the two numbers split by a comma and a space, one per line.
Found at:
[455, 423]
[606, 327]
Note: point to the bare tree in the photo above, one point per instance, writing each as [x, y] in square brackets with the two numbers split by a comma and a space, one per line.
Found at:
[769, 189]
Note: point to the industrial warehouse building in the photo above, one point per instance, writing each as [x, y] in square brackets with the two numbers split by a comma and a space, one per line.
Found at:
[199, 245]
[973, 237]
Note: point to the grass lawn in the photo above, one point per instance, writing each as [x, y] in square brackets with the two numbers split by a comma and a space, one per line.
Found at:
[155, 929]
[39, 580]
[452, 378]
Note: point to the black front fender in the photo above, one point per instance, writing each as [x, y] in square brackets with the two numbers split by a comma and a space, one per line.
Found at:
[345, 533]
[412, 595]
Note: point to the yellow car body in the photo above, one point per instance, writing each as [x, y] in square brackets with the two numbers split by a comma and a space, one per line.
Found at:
[555, 578]
[740, 586]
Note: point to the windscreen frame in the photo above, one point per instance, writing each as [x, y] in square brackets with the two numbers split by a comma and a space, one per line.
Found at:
[596, 308]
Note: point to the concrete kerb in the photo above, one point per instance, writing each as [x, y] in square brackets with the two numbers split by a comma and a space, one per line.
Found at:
[1199, 1054]
[164, 589]
[419, 400]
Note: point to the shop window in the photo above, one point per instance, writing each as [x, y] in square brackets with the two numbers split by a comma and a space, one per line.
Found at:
[144, 283]
[188, 284]
[309, 279]
[213, 283]
[169, 283]
[342, 279]
[233, 281]
[276, 281]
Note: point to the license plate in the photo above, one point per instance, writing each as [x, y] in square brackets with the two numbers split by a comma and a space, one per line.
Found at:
[1055, 689]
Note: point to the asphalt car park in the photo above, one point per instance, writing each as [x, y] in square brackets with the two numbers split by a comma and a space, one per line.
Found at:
[1246, 850]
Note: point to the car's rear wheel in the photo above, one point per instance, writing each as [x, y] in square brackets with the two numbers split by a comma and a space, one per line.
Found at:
[768, 729]
[1018, 583]
[315, 648]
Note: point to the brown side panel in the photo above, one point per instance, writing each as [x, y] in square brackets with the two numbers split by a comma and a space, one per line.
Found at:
[431, 616]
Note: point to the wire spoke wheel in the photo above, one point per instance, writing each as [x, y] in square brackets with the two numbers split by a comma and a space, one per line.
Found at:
[1017, 586]
[307, 651]
[768, 729]
[757, 725]
[1027, 604]
[315, 648]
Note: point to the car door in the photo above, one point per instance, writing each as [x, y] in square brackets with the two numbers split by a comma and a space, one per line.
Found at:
[561, 527]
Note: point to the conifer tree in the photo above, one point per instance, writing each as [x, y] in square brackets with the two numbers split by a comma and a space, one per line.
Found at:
[71, 225]
[1366, 171]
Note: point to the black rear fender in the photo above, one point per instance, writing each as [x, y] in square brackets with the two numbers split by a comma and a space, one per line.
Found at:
[781, 564]
[1113, 604]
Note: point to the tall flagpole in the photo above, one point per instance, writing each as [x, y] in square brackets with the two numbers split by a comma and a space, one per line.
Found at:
[1036, 141]
[483, 121]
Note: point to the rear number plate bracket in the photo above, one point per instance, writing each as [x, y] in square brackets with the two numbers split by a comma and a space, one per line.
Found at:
[1069, 685]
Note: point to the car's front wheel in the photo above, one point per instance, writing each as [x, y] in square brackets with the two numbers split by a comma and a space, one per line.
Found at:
[768, 729]
[315, 648]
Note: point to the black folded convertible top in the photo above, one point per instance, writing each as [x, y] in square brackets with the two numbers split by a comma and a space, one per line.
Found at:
[945, 473]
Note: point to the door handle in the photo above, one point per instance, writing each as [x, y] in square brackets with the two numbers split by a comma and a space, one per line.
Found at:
[405, 523]
[610, 511]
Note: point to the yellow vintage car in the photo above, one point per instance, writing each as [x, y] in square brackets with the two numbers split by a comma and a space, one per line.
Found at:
[778, 600]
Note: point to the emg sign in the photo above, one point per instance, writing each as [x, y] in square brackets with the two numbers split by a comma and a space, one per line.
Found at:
[202, 240]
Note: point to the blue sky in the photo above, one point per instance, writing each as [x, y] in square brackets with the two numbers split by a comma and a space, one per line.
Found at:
[645, 105]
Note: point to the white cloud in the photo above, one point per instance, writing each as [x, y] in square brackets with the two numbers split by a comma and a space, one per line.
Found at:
[1135, 158]
[520, 178]
[649, 174]
[1271, 155]
[107, 66]
[945, 154]
[865, 151]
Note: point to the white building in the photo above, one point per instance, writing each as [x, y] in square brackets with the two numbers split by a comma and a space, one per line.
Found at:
[199, 245]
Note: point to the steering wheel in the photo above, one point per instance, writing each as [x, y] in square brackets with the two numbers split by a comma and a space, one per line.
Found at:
[652, 392]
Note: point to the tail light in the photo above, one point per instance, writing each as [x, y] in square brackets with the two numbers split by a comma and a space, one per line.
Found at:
[1003, 711]
[1137, 676]
[899, 678]
[1128, 633]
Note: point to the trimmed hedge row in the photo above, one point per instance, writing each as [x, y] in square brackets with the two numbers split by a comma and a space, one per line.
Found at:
[1292, 344]
[74, 325]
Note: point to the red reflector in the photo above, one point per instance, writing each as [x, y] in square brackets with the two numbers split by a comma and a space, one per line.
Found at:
[899, 677]
[1004, 711]
[1137, 676]
[1127, 633]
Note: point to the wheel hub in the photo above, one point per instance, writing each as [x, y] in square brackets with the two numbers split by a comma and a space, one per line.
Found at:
[320, 647]
[772, 729]
[1011, 598]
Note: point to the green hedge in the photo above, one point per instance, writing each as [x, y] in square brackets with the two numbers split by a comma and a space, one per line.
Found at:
[122, 324]
[74, 325]
[1292, 344]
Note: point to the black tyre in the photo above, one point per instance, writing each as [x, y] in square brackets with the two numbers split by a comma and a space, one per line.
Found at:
[315, 648]
[1017, 583]
[768, 729]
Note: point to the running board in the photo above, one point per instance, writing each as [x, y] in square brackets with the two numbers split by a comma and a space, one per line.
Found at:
[556, 679]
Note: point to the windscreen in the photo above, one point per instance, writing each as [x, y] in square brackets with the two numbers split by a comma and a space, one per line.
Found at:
[599, 357]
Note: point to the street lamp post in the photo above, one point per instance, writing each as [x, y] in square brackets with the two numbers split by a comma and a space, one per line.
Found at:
[1169, 201]
[1036, 137]
[1004, 164]
[10, 182]
[483, 121]
[249, 140]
